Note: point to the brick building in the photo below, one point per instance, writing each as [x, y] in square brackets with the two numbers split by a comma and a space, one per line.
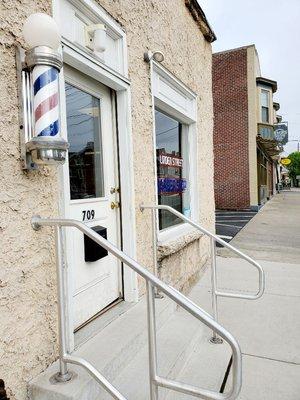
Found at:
[245, 148]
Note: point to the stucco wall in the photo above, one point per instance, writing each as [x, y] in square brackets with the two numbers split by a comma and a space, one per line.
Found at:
[27, 275]
[188, 265]
[169, 28]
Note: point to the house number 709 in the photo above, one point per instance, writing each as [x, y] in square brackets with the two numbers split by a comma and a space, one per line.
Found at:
[88, 214]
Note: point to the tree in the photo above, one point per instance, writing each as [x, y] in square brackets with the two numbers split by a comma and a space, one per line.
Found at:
[294, 166]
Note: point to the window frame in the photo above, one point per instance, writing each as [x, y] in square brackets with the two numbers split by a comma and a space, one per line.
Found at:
[268, 107]
[182, 149]
[82, 60]
[172, 97]
[97, 96]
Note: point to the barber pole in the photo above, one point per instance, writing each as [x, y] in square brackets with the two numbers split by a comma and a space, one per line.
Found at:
[46, 145]
[41, 140]
[45, 100]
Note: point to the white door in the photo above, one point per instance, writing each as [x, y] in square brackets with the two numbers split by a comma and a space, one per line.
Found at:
[91, 184]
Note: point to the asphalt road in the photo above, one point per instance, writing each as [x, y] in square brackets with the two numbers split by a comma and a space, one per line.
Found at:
[229, 223]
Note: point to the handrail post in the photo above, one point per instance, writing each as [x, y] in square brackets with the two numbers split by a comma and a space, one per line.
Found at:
[157, 294]
[214, 339]
[63, 375]
[152, 341]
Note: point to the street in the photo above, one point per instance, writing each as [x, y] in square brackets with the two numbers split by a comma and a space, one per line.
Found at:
[229, 223]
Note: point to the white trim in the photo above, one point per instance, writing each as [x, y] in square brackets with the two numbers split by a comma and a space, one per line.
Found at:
[164, 88]
[262, 88]
[168, 76]
[62, 207]
[78, 58]
[92, 8]
[89, 65]
[172, 96]
[73, 16]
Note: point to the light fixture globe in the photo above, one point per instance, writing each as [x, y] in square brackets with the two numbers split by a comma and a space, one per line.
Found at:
[41, 30]
[157, 56]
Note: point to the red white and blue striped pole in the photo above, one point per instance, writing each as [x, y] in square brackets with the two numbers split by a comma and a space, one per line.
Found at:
[43, 62]
[45, 100]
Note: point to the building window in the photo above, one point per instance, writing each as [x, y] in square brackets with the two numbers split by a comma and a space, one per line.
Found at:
[171, 179]
[175, 138]
[265, 102]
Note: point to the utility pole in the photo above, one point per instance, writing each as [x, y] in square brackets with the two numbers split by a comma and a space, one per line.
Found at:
[298, 143]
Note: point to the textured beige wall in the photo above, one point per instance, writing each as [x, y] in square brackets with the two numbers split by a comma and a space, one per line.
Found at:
[166, 26]
[185, 267]
[253, 71]
[27, 274]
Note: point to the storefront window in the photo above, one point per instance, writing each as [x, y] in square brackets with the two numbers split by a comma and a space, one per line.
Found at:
[171, 182]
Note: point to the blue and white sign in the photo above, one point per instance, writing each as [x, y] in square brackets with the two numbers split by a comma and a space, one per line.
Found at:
[281, 132]
[167, 186]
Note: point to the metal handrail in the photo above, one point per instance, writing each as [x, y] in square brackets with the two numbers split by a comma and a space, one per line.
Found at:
[152, 282]
[214, 238]
[217, 238]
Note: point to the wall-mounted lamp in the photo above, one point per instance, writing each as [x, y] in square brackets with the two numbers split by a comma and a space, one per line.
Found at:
[157, 56]
[95, 38]
[41, 142]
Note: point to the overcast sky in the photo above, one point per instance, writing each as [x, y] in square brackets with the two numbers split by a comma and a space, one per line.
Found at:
[274, 27]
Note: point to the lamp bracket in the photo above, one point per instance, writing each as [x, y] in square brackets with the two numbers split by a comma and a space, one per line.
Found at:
[89, 31]
[25, 109]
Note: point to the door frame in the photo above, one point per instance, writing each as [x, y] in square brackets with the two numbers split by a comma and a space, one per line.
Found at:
[88, 65]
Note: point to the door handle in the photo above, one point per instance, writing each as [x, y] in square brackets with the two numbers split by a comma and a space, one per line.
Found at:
[114, 204]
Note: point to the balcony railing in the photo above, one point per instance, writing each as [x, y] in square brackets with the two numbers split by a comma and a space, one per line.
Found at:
[266, 131]
[266, 137]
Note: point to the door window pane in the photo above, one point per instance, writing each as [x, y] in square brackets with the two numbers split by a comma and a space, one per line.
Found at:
[85, 152]
[170, 181]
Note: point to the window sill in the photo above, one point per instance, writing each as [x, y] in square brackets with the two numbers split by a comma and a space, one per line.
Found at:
[176, 238]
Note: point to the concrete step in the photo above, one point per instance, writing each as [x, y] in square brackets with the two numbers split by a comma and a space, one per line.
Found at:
[175, 340]
[183, 346]
[109, 351]
[120, 353]
[205, 369]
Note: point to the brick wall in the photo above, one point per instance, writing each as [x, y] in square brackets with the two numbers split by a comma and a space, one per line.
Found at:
[231, 160]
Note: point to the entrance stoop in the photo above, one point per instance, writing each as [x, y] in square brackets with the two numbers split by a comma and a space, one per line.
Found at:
[120, 352]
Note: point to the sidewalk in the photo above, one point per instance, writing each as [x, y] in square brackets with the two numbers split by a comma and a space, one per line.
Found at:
[267, 329]
[274, 233]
